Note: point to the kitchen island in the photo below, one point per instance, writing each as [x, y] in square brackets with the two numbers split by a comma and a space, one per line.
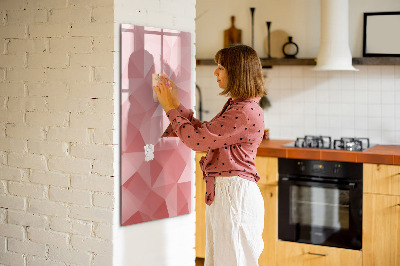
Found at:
[381, 207]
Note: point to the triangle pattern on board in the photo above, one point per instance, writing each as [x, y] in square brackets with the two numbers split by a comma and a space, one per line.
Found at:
[155, 189]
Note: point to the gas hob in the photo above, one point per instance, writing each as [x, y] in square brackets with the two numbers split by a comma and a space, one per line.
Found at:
[325, 142]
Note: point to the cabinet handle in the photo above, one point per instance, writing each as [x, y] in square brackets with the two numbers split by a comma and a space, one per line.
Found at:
[318, 254]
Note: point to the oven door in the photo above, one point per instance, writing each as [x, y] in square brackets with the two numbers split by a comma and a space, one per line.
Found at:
[321, 212]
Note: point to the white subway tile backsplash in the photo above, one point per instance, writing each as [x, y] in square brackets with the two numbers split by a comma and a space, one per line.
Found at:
[335, 95]
[388, 124]
[322, 74]
[298, 97]
[389, 136]
[347, 110]
[348, 133]
[338, 104]
[374, 84]
[348, 96]
[335, 122]
[388, 97]
[322, 83]
[310, 109]
[388, 110]
[397, 133]
[374, 110]
[334, 81]
[397, 97]
[334, 76]
[348, 77]
[308, 72]
[360, 81]
[286, 120]
[387, 72]
[297, 83]
[297, 72]
[361, 110]
[310, 130]
[322, 95]
[397, 71]
[298, 120]
[360, 133]
[360, 97]
[322, 109]
[373, 70]
[348, 122]
[285, 132]
[310, 95]
[334, 109]
[361, 123]
[374, 123]
[322, 121]
[375, 136]
[284, 72]
[388, 84]
[397, 110]
[284, 83]
[374, 97]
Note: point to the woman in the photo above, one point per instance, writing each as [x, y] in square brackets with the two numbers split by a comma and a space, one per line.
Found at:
[235, 207]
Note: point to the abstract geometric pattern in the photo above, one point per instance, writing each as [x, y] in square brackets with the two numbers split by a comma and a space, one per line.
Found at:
[157, 186]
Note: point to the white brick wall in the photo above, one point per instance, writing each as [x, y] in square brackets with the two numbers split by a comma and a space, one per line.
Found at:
[56, 126]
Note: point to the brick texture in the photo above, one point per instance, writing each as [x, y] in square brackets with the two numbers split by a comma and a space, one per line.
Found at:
[56, 121]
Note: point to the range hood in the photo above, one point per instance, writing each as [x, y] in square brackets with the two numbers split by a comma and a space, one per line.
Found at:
[334, 51]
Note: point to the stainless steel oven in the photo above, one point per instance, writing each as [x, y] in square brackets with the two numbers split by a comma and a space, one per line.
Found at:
[320, 202]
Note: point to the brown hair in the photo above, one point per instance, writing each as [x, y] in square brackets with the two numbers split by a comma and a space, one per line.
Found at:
[245, 78]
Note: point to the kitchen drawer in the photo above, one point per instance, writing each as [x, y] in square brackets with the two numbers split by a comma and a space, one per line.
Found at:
[267, 168]
[298, 254]
[381, 179]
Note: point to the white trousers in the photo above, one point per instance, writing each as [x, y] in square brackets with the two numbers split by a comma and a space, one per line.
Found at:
[234, 223]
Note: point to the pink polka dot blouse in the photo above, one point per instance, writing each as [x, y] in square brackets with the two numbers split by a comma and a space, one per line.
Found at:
[231, 139]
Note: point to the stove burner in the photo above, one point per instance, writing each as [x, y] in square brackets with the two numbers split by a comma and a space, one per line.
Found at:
[351, 144]
[324, 142]
[308, 141]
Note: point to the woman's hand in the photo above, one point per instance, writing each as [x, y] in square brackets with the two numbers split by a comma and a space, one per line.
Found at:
[174, 89]
[164, 95]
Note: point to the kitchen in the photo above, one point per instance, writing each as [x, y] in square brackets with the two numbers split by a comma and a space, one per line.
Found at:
[60, 123]
[337, 104]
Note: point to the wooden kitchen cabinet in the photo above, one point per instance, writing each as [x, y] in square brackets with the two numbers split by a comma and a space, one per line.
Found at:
[381, 215]
[270, 233]
[381, 230]
[381, 179]
[200, 209]
[298, 254]
[267, 167]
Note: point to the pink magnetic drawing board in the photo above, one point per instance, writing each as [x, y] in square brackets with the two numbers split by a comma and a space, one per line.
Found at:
[155, 171]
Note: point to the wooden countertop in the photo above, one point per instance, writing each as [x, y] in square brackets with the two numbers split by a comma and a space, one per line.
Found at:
[379, 154]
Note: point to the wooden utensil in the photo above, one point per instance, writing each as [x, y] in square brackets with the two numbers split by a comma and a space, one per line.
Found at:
[232, 35]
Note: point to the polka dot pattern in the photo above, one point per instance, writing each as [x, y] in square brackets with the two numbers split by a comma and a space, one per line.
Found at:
[231, 139]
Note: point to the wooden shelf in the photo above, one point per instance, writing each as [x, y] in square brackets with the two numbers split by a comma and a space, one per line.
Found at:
[312, 61]
[376, 61]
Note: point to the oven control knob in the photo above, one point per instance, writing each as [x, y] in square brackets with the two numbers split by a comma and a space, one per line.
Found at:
[302, 167]
[336, 169]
